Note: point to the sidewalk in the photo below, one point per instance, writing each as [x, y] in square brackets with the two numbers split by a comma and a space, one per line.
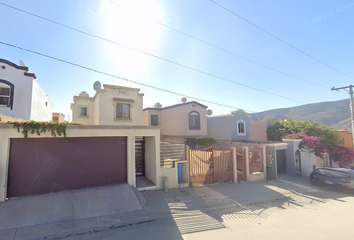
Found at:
[176, 202]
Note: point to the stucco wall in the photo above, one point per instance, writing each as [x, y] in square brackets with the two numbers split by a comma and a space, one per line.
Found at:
[347, 139]
[22, 93]
[84, 102]
[258, 131]
[219, 128]
[103, 106]
[225, 127]
[29, 98]
[42, 106]
[308, 161]
[175, 120]
[152, 133]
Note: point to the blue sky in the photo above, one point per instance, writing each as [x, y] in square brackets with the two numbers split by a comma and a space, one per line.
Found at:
[322, 29]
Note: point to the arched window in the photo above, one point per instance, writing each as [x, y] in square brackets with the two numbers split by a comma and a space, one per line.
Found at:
[194, 120]
[6, 94]
[241, 128]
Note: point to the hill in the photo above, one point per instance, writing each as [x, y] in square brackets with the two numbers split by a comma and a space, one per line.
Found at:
[335, 114]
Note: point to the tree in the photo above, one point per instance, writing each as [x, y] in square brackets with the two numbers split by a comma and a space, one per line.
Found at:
[282, 128]
[315, 137]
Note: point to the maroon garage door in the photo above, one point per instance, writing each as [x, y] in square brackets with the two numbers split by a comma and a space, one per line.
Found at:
[45, 165]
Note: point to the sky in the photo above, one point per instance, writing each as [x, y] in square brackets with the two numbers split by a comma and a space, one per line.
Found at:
[226, 54]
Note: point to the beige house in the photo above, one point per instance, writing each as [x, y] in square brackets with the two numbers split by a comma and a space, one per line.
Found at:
[112, 105]
[58, 117]
[180, 122]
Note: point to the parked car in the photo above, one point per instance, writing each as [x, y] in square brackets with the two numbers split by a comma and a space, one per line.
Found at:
[331, 176]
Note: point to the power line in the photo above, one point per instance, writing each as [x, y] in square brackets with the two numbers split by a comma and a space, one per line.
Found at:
[281, 40]
[227, 51]
[121, 78]
[152, 55]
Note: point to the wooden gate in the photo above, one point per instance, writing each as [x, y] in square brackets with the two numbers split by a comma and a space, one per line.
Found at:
[210, 164]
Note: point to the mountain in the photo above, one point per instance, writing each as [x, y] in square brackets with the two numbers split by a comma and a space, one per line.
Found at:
[335, 114]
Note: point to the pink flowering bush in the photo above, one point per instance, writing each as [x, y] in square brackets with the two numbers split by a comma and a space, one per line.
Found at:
[340, 154]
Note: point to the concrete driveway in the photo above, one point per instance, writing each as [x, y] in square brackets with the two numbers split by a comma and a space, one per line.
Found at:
[67, 206]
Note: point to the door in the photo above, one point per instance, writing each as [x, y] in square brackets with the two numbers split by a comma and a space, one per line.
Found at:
[45, 165]
[281, 161]
[139, 156]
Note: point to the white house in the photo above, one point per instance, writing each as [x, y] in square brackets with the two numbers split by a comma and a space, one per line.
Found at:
[112, 105]
[20, 94]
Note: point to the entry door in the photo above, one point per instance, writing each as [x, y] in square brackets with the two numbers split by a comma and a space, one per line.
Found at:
[281, 161]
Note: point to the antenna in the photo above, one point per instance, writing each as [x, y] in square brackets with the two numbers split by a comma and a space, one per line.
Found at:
[22, 64]
[209, 112]
[96, 85]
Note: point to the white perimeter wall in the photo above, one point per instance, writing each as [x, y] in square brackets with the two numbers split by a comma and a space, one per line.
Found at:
[152, 157]
[42, 106]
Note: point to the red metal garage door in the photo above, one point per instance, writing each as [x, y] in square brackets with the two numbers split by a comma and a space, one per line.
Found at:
[45, 165]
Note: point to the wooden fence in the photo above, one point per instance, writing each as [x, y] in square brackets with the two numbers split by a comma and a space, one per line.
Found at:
[170, 151]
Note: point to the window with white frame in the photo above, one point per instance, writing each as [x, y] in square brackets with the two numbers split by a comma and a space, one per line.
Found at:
[123, 110]
[194, 120]
[83, 111]
[5, 95]
[241, 127]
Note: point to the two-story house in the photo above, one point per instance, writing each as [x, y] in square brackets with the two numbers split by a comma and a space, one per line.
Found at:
[112, 105]
[180, 122]
[233, 127]
[20, 94]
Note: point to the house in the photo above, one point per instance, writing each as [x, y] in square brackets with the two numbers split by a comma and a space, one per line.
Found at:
[20, 94]
[232, 127]
[180, 122]
[58, 117]
[346, 138]
[112, 105]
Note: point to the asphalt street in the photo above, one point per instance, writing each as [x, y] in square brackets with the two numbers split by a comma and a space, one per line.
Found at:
[324, 214]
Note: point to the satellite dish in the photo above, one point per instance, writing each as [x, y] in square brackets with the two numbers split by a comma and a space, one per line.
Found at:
[22, 64]
[184, 99]
[209, 112]
[97, 85]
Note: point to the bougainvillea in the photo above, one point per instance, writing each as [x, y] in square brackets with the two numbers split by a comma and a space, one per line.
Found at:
[315, 144]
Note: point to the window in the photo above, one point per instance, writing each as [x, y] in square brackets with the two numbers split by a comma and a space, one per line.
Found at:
[55, 119]
[154, 120]
[241, 127]
[83, 111]
[123, 110]
[6, 93]
[194, 120]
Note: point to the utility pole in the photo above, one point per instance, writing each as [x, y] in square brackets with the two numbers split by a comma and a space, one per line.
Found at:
[351, 105]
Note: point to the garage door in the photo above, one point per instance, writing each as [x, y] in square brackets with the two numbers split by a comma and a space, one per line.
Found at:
[45, 165]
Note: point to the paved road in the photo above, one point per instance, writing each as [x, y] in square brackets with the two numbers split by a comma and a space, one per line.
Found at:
[320, 215]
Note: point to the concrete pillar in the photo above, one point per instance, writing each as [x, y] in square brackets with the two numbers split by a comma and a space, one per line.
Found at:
[131, 160]
[234, 163]
[247, 167]
[264, 162]
[4, 166]
[186, 170]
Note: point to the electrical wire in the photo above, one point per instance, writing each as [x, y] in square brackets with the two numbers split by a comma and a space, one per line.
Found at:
[229, 52]
[152, 55]
[281, 40]
[121, 78]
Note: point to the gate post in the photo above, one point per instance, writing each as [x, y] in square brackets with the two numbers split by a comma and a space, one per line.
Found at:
[234, 163]
[264, 159]
[188, 164]
[247, 160]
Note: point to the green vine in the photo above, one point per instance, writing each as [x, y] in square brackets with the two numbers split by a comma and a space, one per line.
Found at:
[55, 128]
